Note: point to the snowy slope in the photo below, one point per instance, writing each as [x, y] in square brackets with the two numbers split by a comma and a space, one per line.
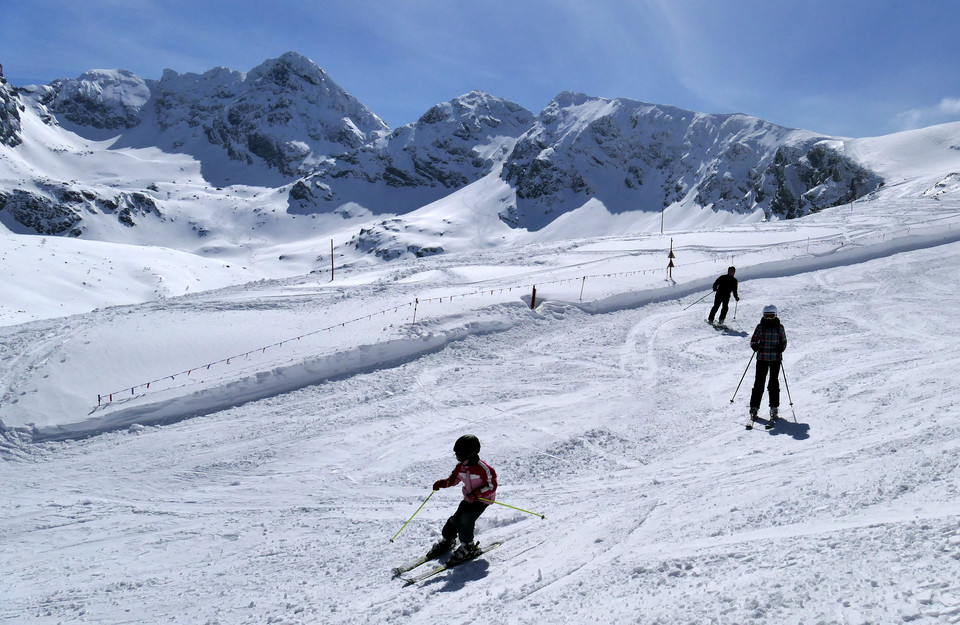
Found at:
[293, 425]
[615, 425]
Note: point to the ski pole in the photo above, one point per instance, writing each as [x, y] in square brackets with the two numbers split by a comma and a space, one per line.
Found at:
[512, 507]
[735, 306]
[742, 377]
[414, 514]
[784, 372]
[700, 300]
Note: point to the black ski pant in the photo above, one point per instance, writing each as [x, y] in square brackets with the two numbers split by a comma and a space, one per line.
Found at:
[721, 300]
[462, 522]
[764, 366]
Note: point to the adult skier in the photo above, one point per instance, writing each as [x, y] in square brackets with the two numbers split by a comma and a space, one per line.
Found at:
[479, 482]
[724, 286]
[768, 341]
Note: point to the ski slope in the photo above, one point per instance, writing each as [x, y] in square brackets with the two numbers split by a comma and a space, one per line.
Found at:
[266, 489]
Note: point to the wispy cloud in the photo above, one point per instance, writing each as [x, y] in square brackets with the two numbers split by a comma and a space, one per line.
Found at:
[947, 110]
[950, 106]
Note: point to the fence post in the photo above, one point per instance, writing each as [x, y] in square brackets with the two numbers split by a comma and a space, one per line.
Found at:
[582, 284]
[533, 298]
[670, 265]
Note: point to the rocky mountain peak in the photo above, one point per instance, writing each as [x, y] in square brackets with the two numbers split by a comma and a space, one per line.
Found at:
[103, 99]
[292, 71]
[453, 144]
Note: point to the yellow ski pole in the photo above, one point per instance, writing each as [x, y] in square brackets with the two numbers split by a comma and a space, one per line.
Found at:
[414, 514]
[512, 507]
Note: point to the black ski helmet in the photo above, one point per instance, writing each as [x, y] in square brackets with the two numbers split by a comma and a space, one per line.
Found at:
[467, 445]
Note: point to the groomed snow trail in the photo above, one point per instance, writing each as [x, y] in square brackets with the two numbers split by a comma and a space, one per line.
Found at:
[617, 426]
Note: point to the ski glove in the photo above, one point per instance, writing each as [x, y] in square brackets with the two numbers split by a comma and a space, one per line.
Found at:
[439, 484]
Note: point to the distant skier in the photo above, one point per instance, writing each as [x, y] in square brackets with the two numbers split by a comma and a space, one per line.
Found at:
[768, 341]
[479, 481]
[724, 286]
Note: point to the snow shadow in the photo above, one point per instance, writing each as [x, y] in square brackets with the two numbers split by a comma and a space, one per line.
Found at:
[784, 427]
[457, 578]
[733, 332]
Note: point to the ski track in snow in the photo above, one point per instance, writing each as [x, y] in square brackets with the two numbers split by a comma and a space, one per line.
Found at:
[616, 425]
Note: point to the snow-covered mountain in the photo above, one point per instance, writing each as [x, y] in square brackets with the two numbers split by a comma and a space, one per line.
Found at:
[452, 145]
[286, 114]
[636, 156]
[225, 162]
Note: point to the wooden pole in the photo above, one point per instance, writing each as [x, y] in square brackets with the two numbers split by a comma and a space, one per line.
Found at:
[331, 260]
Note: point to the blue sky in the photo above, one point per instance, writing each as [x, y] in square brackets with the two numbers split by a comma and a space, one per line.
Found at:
[839, 67]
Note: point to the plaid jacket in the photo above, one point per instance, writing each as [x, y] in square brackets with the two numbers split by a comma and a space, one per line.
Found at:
[769, 340]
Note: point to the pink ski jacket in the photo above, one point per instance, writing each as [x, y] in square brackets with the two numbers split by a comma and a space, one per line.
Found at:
[479, 481]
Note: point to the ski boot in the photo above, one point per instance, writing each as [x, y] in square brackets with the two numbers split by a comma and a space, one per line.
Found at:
[753, 417]
[774, 414]
[440, 547]
[464, 552]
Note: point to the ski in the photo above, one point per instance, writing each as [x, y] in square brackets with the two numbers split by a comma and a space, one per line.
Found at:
[440, 568]
[409, 566]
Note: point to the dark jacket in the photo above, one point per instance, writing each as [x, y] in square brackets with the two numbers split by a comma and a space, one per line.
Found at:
[769, 340]
[725, 285]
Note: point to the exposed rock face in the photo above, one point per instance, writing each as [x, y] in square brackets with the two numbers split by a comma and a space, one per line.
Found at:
[61, 209]
[10, 107]
[636, 156]
[38, 213]
[386, 240]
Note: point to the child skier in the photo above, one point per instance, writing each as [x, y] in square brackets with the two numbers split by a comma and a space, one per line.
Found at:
[479, 482]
